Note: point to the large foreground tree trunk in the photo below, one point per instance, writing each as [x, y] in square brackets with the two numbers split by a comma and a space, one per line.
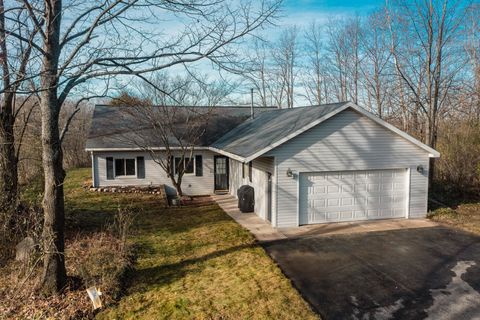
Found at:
[54, 276]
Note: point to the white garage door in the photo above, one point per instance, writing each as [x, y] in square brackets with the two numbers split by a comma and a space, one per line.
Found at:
[352, 195]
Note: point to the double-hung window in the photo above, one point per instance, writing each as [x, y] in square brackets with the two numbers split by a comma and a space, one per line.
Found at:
[125, 167]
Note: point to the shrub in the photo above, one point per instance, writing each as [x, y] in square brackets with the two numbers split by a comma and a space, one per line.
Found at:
[458, 169]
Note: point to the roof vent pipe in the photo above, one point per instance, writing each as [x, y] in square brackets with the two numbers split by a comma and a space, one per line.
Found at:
[252, 112]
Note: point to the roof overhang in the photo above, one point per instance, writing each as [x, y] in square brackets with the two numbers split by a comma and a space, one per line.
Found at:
[432, 153]
[139, 149]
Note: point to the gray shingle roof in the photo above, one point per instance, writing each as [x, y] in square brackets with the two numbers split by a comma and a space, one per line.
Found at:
[115, 127]
[270, 127]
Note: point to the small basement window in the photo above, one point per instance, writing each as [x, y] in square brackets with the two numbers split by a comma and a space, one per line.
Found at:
[124, 167]
[189, 166]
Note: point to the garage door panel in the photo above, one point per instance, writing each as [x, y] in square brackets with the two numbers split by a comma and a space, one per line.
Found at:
[352, 195]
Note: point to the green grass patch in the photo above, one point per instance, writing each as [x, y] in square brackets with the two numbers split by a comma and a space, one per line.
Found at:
[192, 262]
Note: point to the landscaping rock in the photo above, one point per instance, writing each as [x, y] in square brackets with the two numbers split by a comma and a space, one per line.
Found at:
[25, 249]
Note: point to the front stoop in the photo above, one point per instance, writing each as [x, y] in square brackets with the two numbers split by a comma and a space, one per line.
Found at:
[261, 229]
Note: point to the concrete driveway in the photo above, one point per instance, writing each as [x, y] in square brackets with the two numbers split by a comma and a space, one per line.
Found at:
[396, 274]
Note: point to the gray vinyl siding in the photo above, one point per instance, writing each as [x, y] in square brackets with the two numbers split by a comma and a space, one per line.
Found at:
[347, 141]
[154, 174]
[259, 182]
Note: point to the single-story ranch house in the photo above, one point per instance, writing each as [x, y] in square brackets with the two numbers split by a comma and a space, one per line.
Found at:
[319, 164]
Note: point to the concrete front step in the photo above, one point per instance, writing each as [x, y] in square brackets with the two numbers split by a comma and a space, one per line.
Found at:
[261, 229]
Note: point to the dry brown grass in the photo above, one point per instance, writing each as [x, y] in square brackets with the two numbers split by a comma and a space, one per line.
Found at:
[465, 217]
[92, 260]
[96, 255]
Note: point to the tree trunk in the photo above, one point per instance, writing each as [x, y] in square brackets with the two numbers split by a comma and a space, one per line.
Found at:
[8, 161]
[54, 273]
[178, 185]
[54, 276]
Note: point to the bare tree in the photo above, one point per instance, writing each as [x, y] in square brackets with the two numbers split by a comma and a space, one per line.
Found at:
[315, 81]
[15, 56]
[178, 131]
[177, 112]
[431, 73]
[429, 69]
[257, 71]
[82, 41]
[471, 98]
[376, 60]
[285, 56]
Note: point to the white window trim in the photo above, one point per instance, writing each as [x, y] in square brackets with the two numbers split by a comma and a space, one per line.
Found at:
[184, 173]
[125, 167]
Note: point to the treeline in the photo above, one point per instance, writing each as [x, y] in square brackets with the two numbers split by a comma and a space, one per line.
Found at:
[415, 64]
[29, 147]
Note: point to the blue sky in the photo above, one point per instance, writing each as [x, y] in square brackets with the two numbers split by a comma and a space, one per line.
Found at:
[304, 11]
[294, 12]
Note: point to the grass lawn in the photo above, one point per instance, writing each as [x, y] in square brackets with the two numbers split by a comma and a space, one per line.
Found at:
[193, 262]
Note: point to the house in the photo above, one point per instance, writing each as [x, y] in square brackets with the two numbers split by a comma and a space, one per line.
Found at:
[319, 164]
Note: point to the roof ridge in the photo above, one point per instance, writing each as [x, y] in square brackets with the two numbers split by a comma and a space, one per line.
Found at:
[192, 106]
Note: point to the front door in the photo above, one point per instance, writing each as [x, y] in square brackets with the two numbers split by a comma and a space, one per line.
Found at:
[221, 172]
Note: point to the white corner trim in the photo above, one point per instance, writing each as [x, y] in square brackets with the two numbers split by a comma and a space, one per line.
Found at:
[94, 168]
[408, 191]
[298, 198]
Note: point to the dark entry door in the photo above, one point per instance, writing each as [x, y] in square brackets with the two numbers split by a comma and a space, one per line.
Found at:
[221, 172]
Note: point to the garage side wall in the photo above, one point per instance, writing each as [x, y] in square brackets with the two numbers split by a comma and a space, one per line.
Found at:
[347, 141]
[154, 174]
[261, 167]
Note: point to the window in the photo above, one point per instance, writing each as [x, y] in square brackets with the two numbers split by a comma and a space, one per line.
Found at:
[247, 167]
[198, 166]
[119, 167]
[188, 166]
[124, 167]
[140, 167]
[110, 175]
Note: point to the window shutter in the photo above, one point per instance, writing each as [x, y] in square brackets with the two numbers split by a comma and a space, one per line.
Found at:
[110, 168]
[140, 167]
[198, 166]
[172, 166]
[250, 171]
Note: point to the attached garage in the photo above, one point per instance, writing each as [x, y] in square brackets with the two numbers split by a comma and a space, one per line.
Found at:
[334, 163]
[353, 195]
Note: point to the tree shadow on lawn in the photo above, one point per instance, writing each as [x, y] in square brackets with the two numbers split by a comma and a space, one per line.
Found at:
[441, 196]
[161, 275]
[182, 219]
